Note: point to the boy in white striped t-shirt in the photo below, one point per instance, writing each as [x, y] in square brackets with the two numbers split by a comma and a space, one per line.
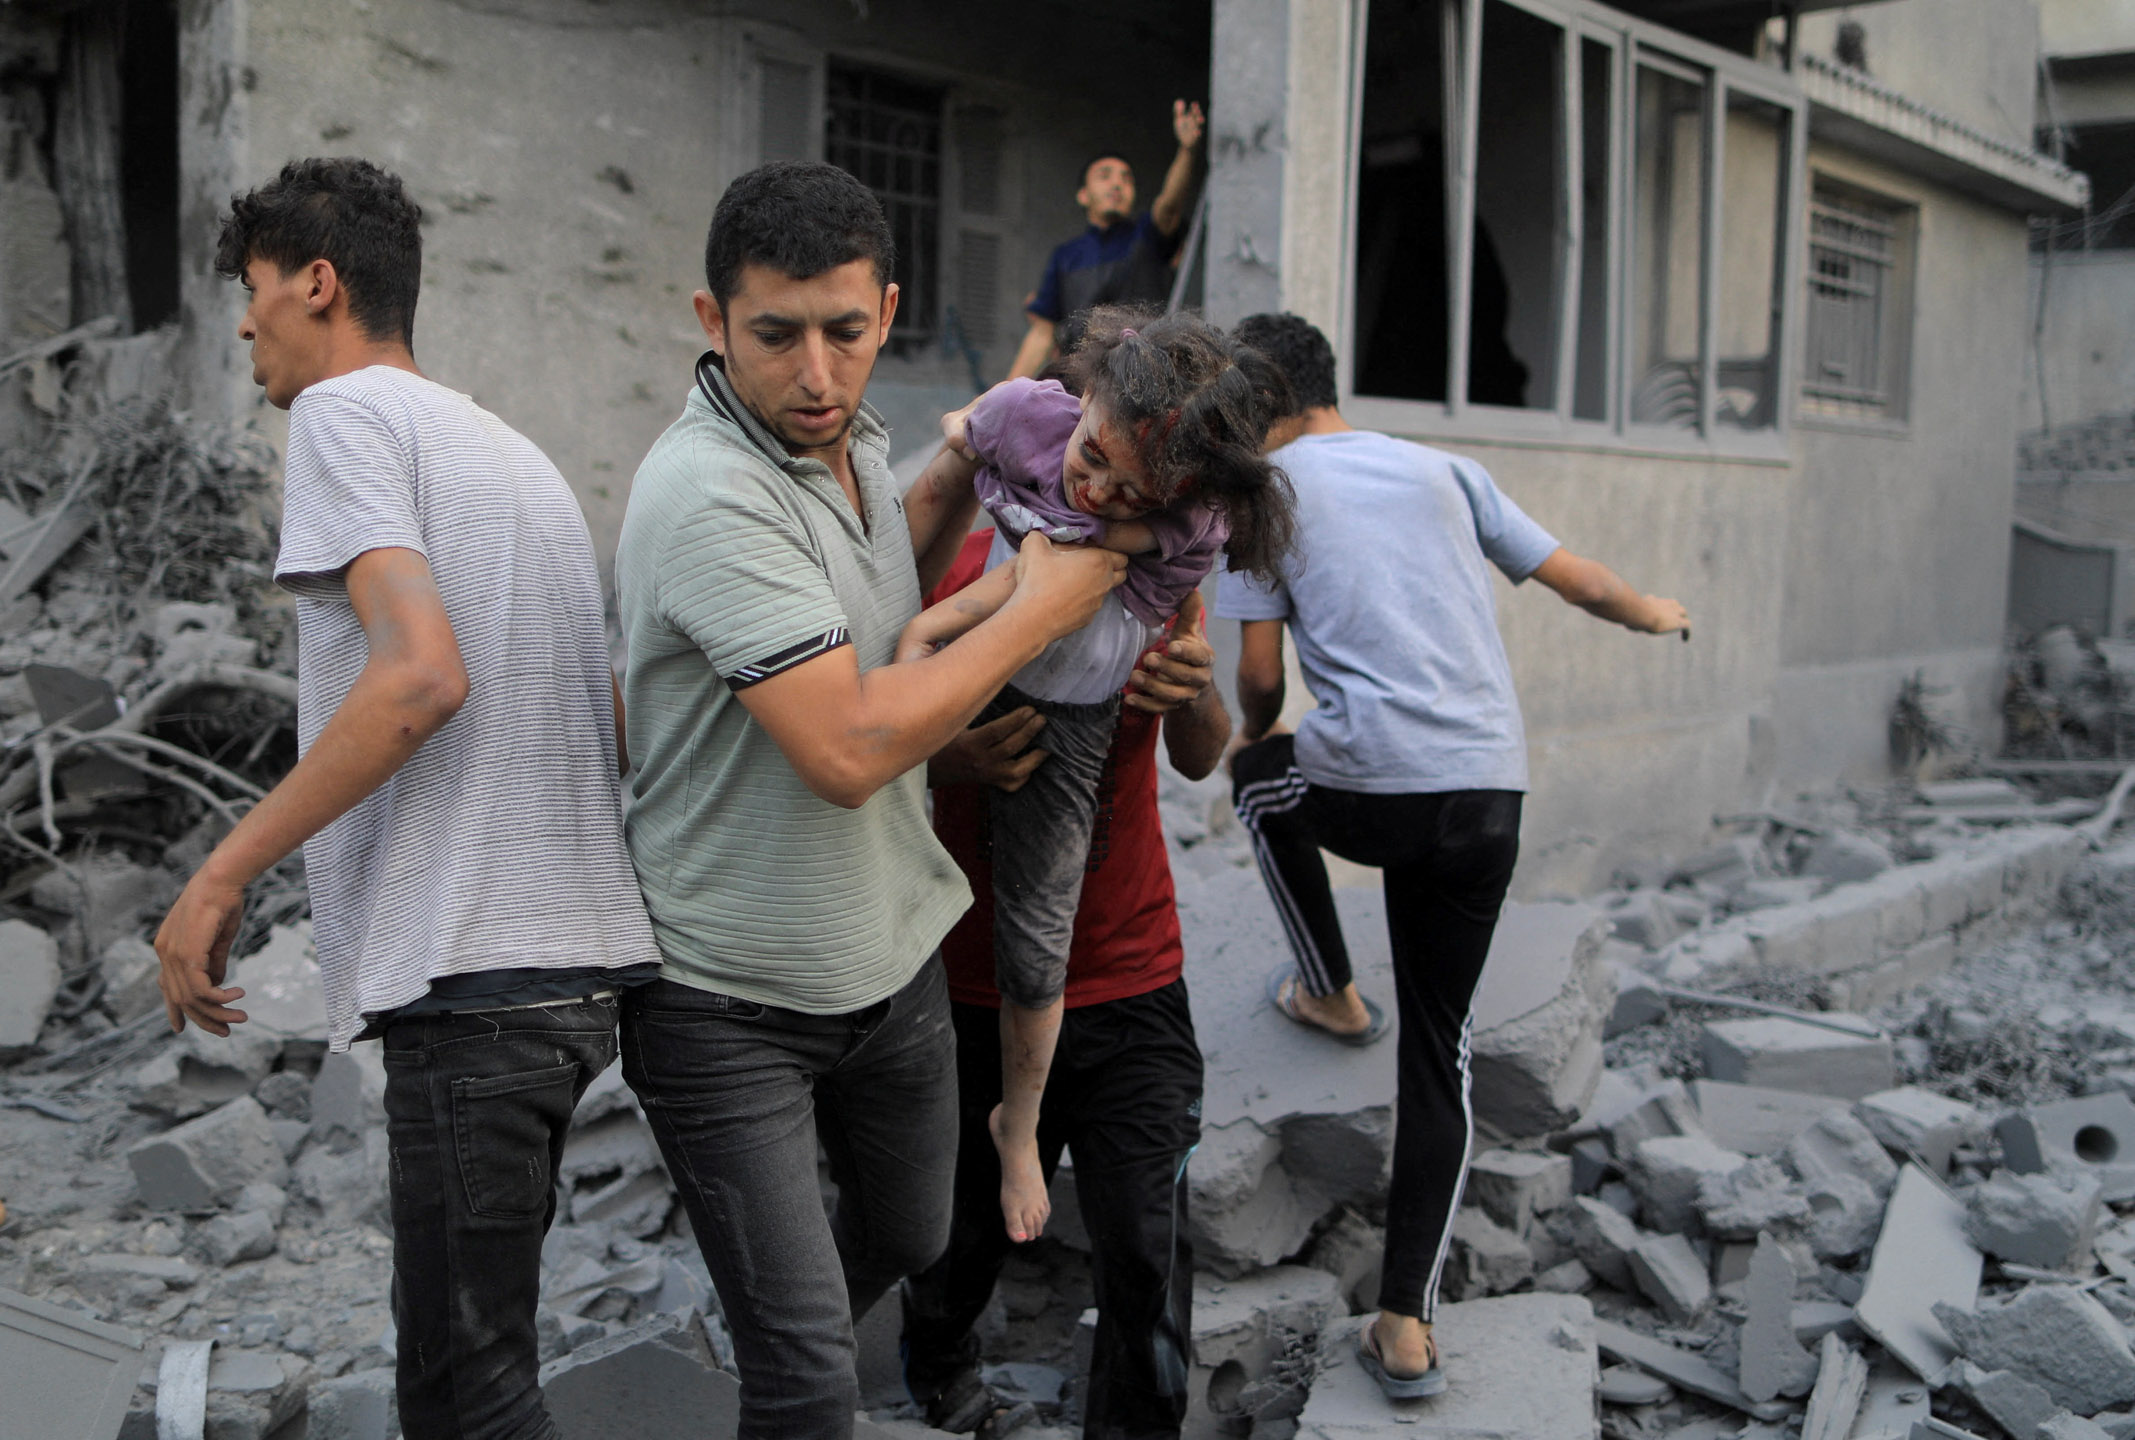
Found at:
[456, 794]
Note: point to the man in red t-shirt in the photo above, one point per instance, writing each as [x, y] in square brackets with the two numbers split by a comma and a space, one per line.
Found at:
[1124, 1095]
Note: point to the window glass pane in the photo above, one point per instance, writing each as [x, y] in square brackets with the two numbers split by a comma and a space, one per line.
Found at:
[1401, 287]
[1515, 291]
[1668, 218]
[1751, 213]
[1597, 93]
[887, 131]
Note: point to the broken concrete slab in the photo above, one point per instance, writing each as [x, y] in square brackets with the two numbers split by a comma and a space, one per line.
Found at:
[348, 1096]
[1841, 1382]
[281, 985]
[1242, 1327]
[1353, 1251]
[67, 1374]
[656, 1378]
[1514, 1186]
[1918, 1122]
[2094, 1134]
[1896, 1401]
[205, 1162]
[1755, 1119]
[2055, 1336]
[1845, 1216]
[2047, 1220]
[1539, 1010]
[1629, 1385]
[2010, 1400]
[1839, 1144]
[1664, 1110]
[1667, 1174]
[1570, 1278]
[1672, 1275]
[1639, 1001]
[29, 982]
[1517, 1366]
[1603, 1237]
[1643, 919]
[1755, 1196]
[2065, 1426]
[361, 1405]
[1773, 1362]
[230, 1239]
[198, 1071]
[1785, 1054]
[1679, 1368]
[1487, 1258]
[131, 972]
[1922, 1259]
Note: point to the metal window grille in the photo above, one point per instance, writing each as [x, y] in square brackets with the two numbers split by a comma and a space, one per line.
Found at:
[886, 130]
[1852, 252]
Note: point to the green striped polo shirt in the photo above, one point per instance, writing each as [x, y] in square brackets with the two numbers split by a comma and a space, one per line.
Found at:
[736, 562]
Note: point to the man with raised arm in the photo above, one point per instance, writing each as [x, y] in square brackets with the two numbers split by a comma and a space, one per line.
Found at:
[456, 794]
[1122, 258]
[766, 569]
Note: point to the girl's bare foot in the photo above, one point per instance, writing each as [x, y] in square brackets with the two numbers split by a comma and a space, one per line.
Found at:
[1025, 1202]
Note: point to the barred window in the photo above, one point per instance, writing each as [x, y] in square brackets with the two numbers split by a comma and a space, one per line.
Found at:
[887, 131]
[1853, 361]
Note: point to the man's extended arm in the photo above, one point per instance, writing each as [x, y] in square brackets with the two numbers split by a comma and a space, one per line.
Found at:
[847, 734]
[412, 684]
[1169, 211]
[1598, 590]
[1036, 349]
[1260, 677]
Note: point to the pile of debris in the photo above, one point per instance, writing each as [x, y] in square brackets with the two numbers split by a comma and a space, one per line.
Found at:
[2095, 448]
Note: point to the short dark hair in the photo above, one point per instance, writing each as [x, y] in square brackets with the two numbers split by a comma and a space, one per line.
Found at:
[347, 212]
[1299, 350]
[1082, 176]
[1198, 405]
[799, 217]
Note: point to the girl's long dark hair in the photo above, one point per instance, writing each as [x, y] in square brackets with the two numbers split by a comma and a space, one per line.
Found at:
[1197, 406]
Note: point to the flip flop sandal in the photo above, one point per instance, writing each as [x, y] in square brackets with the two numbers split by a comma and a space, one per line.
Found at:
[1398, 1387]
[1371, 1034]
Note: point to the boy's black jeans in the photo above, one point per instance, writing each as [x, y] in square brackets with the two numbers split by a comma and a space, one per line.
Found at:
[477, 1104]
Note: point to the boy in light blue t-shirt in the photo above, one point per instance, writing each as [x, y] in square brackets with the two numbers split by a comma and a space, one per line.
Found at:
[1414, 761]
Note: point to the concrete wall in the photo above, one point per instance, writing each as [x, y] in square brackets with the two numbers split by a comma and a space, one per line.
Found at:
[568, 155]
[1819, 580]
[2086, 27]
[1976, 60]
[2083, 342]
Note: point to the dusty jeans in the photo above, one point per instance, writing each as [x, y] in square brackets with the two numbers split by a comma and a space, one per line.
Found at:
[738, 1094]
[477, 1104]
[1041, 845]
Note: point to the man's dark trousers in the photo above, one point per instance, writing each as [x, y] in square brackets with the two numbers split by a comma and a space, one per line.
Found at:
[738, 1094]
[1124, 1097]
[477, 1105]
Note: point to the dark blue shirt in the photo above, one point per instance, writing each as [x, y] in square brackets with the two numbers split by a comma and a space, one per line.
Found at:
[1123, 264]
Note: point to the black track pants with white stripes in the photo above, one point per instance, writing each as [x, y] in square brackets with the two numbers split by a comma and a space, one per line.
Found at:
[1447, 860]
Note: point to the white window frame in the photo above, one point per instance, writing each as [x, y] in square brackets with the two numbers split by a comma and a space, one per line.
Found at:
[1632, 42]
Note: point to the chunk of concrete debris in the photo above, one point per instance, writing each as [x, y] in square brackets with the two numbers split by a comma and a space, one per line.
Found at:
[131, 972]
[2065, 1426]
[2094, 1134]
[1841, 1382]
[1518, 1365]
[1241, 1328]
[1668, 1172]
[205, 1162]
[1918, 1122]
[1672, 1275]
[1922, 1260]
[1844, 857]
[2055, 1336]
[2046, 1220]
[1592, 1165]
[1679, 1368]
[29, 982]
[1643, 919]
[1896, 1402]
[1727, 866]
[1539, 1010]
[1247, 1211]
[1603, 1237]
[1753, 1197]
[1838, 1144]
[1570, 1278]
[1773, 1362]
[1845, 1216]
[361, 1405]
[1783, 1054]
[1814, 1319]
[1514, 1186]
[1629, 1385]
[1353, 1251]
[67, 1375]
[348, 1096]
[656, 1378]
[281, 985]
[1663, 1111]
[230, 1239]
[1639, 1001]
[198, 1071]
[2010, 1400]
[1487, 1258]
[1754, 1119]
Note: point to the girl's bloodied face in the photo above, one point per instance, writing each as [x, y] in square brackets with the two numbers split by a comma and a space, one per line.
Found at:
[1101, 475]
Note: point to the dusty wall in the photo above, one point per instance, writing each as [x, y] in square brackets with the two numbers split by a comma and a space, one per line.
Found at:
[1976, 60]
[2089, 364]
[2086, 27]
[567, 157]
[1818, 581]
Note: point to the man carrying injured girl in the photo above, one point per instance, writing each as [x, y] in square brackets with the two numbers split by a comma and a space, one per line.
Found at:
[1152, 449]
